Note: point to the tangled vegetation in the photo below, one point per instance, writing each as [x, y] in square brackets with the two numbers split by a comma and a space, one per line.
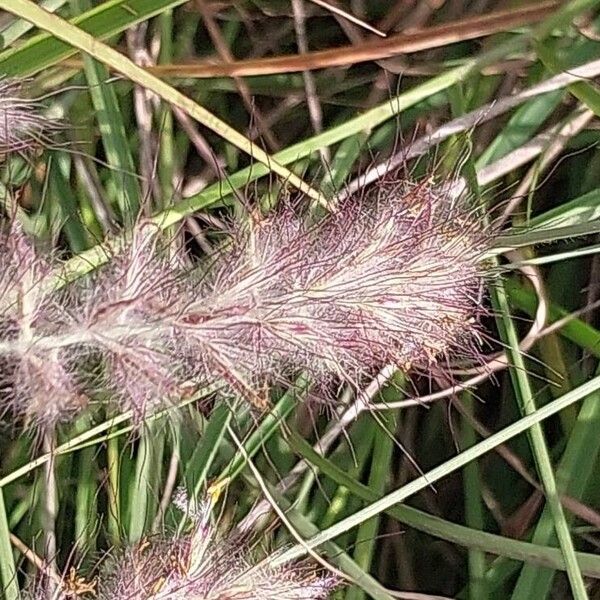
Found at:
[299, 301]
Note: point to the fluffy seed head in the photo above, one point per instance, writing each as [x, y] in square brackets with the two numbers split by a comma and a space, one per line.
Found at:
[203, 565]
[125, 319]
[393, 277]
[37, 380]
[22, 126]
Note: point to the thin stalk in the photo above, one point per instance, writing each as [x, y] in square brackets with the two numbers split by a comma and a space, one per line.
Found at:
[539, 447]
[50, 508]
[474, 514]
[113, 490]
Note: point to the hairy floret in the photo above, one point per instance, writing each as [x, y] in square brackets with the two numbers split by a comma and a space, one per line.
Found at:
[125, 318]
[205, 565]
[22, 125]
[392, 277]
[37, 380]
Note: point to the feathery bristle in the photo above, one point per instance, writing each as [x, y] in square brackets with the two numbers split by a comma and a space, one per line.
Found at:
[22, 126]
[204, 565]
[393, 277]
[390, 278]
[37, 380]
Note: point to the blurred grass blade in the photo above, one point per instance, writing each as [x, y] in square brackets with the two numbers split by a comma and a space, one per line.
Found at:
[114, 139]
[582, 90]
[44, 50]
[10, 34]
[474, 508]
[520, 127]
[535, 235]
[197, 469]
[584, 209]
[379, 472]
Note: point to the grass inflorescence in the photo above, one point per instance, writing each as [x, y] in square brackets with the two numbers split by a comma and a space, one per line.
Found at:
[23, 127]
[392, 277]
[205, 564]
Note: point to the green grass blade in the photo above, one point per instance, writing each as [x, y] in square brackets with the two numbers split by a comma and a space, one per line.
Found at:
[335, 553]
[573, 476]
[44, 50]
[63, 199]
[534, 236]
[443, 529]
[474, 511]
[524, 394]
[582, 90]
[380, 468]
[9, 35]
[351, 462]
[520, 127]
[114, 139]
[198, 467]
[576, 467]
[268, 426]
[576, 330]
[584, 209]
[448, 467]
[94, 435]
[8, 571]
[86, 504]
[143, 491]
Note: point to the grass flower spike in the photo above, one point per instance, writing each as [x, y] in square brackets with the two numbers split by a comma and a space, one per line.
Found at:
[417, 306]
[126, 319]
[393, 277]
[204, 565]
[37, 378]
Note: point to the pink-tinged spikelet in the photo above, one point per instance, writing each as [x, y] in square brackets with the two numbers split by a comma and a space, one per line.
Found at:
[393, 277]
[37, 380]
[22, 126]
[204, 565]
[126, 319]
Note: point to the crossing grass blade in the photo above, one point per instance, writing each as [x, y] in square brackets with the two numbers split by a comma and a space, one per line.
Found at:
[96, 49]
[524, 394]
[103, 21]
[459, 461]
